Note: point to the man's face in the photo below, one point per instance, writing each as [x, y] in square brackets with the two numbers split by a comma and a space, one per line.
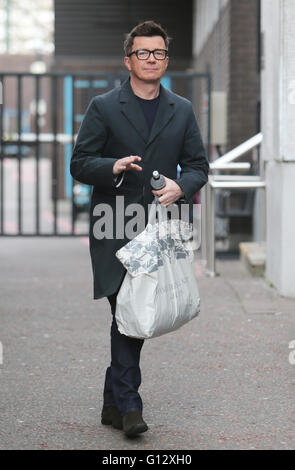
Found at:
[151, 69]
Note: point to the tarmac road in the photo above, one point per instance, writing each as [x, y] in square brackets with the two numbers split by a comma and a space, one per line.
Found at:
[223, 381]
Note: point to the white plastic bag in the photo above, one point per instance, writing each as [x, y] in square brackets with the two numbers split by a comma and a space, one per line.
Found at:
[159, 292]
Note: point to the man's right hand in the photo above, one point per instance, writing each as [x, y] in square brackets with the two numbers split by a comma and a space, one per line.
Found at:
[126, 163]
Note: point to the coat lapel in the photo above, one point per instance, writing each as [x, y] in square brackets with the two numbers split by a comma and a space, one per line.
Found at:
[131, 109]
[133, 112]
[164, 113]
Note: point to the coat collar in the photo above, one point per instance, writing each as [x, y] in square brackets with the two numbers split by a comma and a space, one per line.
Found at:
[130, 107]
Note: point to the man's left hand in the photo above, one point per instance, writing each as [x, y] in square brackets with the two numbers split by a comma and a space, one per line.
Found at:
[169, 194]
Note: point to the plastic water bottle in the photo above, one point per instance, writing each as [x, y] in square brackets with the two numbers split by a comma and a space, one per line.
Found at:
[157, 180]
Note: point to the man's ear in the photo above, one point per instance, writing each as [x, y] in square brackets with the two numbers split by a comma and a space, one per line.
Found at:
[127, 63]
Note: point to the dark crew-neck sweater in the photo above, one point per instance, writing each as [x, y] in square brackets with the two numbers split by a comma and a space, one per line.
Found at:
[149, 108]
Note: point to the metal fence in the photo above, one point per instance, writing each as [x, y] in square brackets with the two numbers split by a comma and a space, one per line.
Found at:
[223, 182]
[40, 116]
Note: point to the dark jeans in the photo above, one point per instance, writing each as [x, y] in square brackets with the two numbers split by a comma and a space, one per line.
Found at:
[123, 376]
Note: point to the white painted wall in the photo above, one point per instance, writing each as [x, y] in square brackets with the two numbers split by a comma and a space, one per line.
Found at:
[278, 149]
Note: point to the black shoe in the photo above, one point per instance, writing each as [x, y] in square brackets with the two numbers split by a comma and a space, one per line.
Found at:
[133, 423]
[111, 415]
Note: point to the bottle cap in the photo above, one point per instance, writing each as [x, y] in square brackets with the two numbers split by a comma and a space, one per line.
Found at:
[157, 180]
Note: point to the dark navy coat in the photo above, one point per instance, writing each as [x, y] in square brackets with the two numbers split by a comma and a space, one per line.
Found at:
[113, 127]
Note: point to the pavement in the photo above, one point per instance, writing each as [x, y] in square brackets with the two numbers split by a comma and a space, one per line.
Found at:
[225, 380]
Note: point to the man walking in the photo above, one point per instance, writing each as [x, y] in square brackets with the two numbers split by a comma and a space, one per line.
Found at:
[125, 135]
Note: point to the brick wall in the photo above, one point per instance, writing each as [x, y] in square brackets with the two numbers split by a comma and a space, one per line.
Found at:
[230, 53]
[243, 89]
[214, 57]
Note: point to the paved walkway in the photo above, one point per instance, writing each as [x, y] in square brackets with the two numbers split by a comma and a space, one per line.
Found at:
[223, 381]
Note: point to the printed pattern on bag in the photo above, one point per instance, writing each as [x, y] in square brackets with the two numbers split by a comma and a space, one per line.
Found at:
[169, 239]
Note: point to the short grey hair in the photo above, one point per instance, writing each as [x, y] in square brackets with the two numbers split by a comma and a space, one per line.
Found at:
[147, 28]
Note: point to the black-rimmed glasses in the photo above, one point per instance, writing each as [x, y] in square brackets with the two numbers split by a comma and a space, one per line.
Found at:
[144, 54]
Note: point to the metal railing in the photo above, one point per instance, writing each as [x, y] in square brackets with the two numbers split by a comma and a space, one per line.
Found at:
[208, 195]
[40, 115]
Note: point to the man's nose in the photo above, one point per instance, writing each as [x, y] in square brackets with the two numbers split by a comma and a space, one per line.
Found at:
[151, 58]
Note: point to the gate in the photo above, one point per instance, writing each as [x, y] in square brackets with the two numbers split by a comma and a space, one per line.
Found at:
[40, 116]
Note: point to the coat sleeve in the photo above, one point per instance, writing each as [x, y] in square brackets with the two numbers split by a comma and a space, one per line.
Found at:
[88, 165]
[193, 161]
